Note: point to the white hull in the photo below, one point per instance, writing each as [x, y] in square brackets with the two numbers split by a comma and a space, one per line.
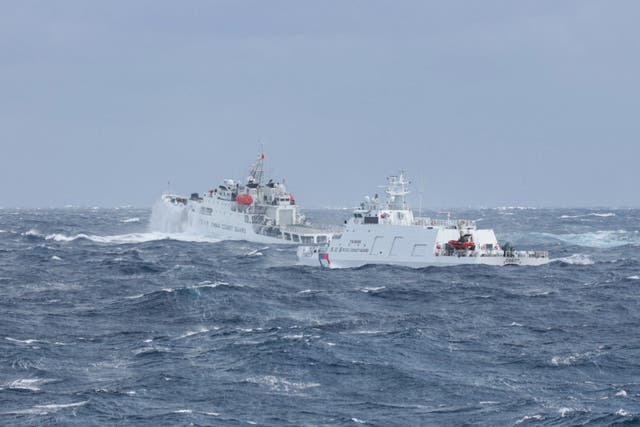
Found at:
[255, 211]
[388, 233]
[409, 246]
[313, 260]
[223, 220]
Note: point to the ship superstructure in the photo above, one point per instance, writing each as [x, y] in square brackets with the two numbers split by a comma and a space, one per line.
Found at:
[254, 211]
[387, 232]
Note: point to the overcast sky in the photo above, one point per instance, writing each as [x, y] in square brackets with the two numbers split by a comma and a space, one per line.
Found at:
[488, 103]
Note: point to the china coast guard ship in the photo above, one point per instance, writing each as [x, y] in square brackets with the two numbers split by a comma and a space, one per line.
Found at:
[254, 211]
[388, 233]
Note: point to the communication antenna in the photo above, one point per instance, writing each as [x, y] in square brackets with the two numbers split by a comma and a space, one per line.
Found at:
[420, 191]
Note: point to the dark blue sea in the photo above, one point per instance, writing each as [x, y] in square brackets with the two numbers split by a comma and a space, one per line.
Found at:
[104, 321]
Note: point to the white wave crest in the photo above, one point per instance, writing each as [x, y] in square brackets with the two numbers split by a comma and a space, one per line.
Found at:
[27, 341]
[309, 291]
[210, 284]
[600, 215]
[32, 232]
[529, 417]
[31, 384]
[365, 332]
[281, 384]
[132, 238]
[576, 259]
[204, 284]
[372, 289]
[46, 409]
[512, 208]
[602, 239]
[168, 218]
[293, 337]
[129, 220]
[573, 359]
[191, 333]
[566, 411]
[633, 278]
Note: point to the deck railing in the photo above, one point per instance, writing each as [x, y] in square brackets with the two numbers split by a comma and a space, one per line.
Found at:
[426, 222]
[494, 253]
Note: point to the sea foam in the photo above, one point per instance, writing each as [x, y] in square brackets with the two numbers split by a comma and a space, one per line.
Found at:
[602, 239]
[600, 215]
[576, 259]
[129, 238]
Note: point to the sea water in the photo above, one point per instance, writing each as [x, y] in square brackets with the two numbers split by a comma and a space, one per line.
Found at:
[108, 319]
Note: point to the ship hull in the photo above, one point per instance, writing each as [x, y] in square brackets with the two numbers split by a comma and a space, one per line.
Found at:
[315, 261]
[414, 247]
[223, 220]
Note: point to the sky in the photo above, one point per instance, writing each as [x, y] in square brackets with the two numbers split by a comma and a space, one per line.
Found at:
[488, 103]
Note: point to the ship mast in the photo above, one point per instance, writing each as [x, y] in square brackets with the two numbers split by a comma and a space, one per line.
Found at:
[396, 191]
[257, 170]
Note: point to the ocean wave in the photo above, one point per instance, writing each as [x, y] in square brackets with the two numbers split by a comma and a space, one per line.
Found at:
[150, 351]
[575, 259]
[32, 233]
[119, 239]
[515, 208]
[281, 384]
[600, 215]
[309, 291]
[168, 218]
[129, 220]
[29, 384]
[27, 341]
[46, 409]
[210, 284]
[574, 359]
[148, 317]
[564, 412]
[372, 289]
[192, 333]
[201, 285]
[529, 417]
[602, 239]
[256, 252]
